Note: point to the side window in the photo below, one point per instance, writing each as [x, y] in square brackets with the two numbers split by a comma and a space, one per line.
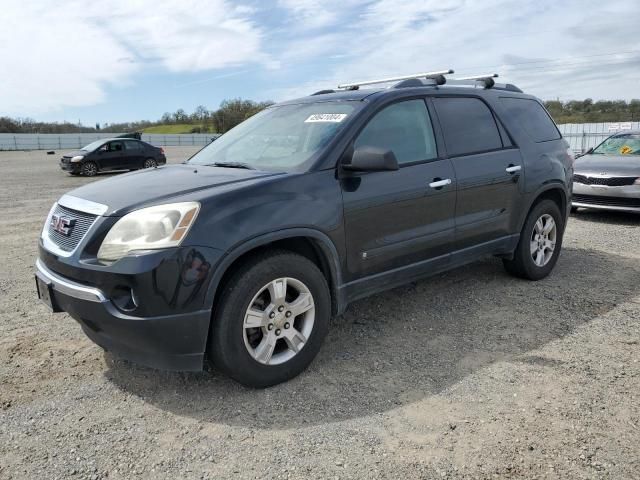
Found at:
[533, 118]
[116, 146]
[134, 146]
[404, 128]
[468, 125]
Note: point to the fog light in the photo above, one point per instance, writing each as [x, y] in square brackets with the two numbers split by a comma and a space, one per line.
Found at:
[124, 298]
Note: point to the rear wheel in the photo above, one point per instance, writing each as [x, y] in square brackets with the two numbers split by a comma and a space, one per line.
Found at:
[149, 163]
[89, 169]
[271, 319]
[540, 243]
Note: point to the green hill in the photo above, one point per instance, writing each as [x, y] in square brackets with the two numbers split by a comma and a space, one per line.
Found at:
[174, 128]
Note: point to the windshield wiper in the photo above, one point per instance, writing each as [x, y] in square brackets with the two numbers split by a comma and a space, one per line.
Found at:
[231, 165]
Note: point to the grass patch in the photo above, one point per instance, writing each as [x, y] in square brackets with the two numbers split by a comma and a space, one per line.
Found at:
[173, 128]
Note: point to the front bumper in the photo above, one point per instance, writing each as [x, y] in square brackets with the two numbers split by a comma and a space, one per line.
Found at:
[624, 199]
[73, 167]
[168, 328]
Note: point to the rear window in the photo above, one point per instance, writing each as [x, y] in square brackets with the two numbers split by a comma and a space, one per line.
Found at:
[533, 118]
[468, 125]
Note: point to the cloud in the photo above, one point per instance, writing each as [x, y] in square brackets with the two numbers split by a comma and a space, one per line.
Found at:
[547, 48]
[57, 54]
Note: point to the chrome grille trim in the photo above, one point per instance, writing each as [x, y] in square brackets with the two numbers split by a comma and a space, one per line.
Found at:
[85, 212]
[82, 205]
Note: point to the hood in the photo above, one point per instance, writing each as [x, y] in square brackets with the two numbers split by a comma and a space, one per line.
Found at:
[127, 192]
[610, 165]
[74, 153]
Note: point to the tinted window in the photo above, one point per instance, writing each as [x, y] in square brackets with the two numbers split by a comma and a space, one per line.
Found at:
[404, 128]
[132, 145]
[468, 125]
[114, 146]
[532, 117]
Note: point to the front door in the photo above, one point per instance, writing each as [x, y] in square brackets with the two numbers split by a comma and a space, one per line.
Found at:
[111, 155]
[488, 168]
[397, 218]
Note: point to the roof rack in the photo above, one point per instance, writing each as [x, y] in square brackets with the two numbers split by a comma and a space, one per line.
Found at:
[434, 76]
[484, 81]
[431, 78]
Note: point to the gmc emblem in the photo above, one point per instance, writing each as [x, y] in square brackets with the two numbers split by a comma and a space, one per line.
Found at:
[62, 224]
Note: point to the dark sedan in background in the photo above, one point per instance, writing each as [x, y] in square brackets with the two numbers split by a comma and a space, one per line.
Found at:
[608, 176]
[112, 154]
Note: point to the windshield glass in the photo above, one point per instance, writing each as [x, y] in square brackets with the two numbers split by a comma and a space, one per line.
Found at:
[279, 138]
[620, 145]
[92, 146]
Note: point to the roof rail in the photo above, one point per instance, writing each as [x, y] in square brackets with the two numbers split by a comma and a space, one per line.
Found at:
[484, 81]
[428, 76]
[323, 92]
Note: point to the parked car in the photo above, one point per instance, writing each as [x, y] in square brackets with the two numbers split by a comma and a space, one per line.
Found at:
[608, 176]
[241, 255]
[112, 154]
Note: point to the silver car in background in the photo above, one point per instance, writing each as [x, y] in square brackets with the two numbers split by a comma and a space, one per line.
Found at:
[608, 176]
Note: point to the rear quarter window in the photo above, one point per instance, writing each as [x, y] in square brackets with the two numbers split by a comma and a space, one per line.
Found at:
[468, 125]
[532, 117]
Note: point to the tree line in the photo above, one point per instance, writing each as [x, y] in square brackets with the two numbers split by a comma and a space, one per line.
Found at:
[232, 112]
[202, 120]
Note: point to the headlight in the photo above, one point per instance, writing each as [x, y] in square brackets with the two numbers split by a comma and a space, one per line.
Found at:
[77, 158]
[150, 228]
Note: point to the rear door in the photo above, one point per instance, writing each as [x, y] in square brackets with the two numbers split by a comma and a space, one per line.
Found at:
[134, 154]
[395, 218]
[488, 168]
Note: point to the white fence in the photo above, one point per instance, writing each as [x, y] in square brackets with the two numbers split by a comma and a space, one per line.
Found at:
[71, 141]
[583, 136]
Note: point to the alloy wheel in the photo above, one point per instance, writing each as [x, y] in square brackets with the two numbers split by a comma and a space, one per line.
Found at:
[279, 321]
[149, 163]
[543, 240]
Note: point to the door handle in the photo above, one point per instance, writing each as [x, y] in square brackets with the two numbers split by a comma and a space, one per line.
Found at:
[513, 168]
[440, 183]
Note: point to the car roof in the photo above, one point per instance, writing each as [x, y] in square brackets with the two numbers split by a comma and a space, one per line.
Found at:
[626, 132]
[370, 94]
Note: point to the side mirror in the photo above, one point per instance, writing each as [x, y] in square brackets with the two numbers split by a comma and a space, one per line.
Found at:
[371, 159]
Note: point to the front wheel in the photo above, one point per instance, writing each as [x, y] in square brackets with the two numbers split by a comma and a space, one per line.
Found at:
[271, 320]
[89, 169]
[540, 243]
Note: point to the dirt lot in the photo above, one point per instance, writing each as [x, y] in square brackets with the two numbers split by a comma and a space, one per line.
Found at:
[472, 374]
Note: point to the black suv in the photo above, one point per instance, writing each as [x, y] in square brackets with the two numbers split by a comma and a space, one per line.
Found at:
[242, 254]
[112, 154]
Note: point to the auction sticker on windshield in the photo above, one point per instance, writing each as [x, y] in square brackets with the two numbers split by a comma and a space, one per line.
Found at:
[326, 117]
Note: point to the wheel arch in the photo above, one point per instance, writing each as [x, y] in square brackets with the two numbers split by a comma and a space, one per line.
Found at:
[310, 243]
[554, 191]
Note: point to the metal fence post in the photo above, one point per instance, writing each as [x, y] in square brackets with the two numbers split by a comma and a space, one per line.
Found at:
[584, 140]
[15, 142]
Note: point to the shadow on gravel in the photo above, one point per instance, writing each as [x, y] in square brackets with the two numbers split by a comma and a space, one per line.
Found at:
[406, 344]
[609, 217]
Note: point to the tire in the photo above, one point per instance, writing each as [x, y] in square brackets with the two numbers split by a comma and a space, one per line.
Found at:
[149, 163]
[89, 169]
[536, 266]
[238, 350]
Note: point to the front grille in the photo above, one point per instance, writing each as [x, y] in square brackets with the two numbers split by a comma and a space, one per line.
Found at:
[83, 222]
[608, 181]
[606, 201]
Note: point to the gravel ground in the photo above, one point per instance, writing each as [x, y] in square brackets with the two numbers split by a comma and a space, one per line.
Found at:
[471, 374]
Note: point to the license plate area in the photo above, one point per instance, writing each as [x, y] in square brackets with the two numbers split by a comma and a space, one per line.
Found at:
[45, 293]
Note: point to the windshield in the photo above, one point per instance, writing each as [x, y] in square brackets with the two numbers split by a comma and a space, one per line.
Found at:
[278, 138]
[620, 145]
[92, 146]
